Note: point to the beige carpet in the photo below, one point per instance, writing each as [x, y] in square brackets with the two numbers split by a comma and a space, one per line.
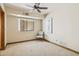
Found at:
[35, 48]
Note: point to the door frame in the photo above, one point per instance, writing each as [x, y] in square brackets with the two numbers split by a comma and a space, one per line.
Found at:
[2, 34]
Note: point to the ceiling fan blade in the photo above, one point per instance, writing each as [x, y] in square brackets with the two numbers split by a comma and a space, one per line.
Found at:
[38, 10]
[43, 7]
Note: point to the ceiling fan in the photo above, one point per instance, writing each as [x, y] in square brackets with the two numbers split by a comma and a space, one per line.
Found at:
[37, 7]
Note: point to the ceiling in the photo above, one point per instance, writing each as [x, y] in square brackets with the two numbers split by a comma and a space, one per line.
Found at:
[24, 7]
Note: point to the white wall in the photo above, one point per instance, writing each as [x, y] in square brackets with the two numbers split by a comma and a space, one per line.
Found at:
[13, 35]
[65, 26]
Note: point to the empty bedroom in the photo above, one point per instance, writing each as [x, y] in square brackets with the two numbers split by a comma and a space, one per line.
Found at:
[39, 29]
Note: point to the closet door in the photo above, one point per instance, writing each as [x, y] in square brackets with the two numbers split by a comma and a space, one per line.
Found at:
[1, 29]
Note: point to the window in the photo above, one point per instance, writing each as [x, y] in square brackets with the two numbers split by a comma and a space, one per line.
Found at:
[25, 25]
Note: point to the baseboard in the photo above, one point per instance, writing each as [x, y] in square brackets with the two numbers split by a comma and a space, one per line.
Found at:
[64, 47]
[25, 41]
[21, 41]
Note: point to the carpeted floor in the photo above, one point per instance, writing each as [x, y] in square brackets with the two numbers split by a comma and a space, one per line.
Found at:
[35, 48]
